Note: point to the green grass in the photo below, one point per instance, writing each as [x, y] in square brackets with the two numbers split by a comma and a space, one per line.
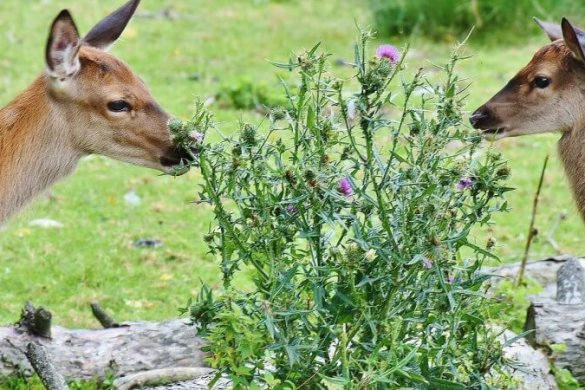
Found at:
[503, 20]
[213, 43]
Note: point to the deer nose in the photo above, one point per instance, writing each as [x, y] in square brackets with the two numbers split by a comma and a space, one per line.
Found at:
[476, 118]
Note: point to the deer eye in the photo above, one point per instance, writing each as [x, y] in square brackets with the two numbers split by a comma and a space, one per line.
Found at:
[119, 106]
[541, 82]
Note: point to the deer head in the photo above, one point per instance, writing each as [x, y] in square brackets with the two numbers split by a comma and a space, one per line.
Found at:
[547, 95]
[100, 104]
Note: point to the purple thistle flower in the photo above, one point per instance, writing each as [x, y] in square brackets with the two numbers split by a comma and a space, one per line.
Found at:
[196, 137]
[388, 52]
[292, 210]
[345, 187]
[427, 263]
[465, 183]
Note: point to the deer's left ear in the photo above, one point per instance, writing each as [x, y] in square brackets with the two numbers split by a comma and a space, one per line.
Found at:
[62, 51]
[106, 32]
[574, 39]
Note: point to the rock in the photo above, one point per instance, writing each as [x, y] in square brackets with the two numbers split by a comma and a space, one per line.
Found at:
[131, 198]
[45, 224]
[147, 243]
[531, 366]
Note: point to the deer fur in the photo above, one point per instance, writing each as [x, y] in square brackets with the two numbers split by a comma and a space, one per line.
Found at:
[87, 101]
[547, 95]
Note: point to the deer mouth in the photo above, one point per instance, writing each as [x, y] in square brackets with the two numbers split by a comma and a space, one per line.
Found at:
[178, 158]
[498, 130]
[495, 133]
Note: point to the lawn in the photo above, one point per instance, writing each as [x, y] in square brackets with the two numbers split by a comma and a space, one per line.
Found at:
[210, 46]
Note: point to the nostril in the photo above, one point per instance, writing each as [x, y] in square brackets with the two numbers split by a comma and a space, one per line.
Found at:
[476, 117]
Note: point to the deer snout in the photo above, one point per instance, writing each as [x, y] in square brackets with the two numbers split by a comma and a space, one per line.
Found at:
[484, 119]
[478, 117]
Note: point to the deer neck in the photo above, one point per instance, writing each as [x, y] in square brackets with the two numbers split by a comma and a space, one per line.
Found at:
[572, 152]
[35, 150]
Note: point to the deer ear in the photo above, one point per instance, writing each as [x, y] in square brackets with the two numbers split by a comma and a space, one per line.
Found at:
[62, 51]
[574, 39]
[106, 32]
[553, 30]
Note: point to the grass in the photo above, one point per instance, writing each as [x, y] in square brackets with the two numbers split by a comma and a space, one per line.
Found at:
[448, 18]
[212, 43]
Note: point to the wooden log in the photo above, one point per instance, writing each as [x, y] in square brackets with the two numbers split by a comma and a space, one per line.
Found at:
[104, 318]
[92, 354]
[571, 283]
[161, 377]
[543, 271]
[43, 366]
[553, 323]
[561, 320]
[35, 321]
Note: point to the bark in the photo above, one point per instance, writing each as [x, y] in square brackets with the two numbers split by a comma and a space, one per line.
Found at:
[559, 319]
[161, 377]
[91, 354]
[554, 323]
[35, 321]
[571, 283]
[43, 366]
[104, 318]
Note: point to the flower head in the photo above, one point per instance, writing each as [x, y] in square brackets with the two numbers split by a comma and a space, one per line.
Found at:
[196, 137]
[465, 183]
[388, 52]
[427, 263]
[291, 210]
[344, 187]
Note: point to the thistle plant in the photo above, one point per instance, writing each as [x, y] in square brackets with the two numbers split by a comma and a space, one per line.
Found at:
[349, 213]
[189, 135]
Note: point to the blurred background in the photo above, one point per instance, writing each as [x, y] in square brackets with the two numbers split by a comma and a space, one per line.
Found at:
[133, 240]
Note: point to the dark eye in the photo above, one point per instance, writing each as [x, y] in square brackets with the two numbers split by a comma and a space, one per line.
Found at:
[118, 106]
[541, 82]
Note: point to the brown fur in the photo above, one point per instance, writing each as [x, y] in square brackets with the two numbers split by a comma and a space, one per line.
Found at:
[64, 115]
[522, 108]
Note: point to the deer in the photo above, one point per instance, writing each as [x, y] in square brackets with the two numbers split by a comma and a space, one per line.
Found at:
[87, 101]
[547, 95]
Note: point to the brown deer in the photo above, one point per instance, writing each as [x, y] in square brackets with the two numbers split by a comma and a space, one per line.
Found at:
[87, 101]
[547, 95]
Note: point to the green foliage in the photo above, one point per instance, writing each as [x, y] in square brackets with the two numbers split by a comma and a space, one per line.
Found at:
[565, 379]
[511, 303]
[446, 19]
[19, 382]
[247, 95]
[92, 255]
[351, 214]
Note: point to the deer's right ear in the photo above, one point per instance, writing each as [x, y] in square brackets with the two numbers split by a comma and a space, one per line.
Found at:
[62, 52]
[553, 31]
[574, 39]
[105, 33]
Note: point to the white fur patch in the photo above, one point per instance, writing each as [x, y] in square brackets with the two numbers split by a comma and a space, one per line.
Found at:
[64, 58]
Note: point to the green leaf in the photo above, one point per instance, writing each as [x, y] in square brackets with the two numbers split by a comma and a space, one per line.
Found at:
[340, 381]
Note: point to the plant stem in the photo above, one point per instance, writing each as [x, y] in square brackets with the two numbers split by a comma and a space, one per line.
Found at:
[531, 231]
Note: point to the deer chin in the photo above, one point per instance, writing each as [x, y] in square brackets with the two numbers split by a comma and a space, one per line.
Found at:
[495, 134]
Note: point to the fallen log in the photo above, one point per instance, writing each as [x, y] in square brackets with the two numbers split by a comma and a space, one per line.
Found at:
[162, 377]
[119, 351]
[557, 322]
